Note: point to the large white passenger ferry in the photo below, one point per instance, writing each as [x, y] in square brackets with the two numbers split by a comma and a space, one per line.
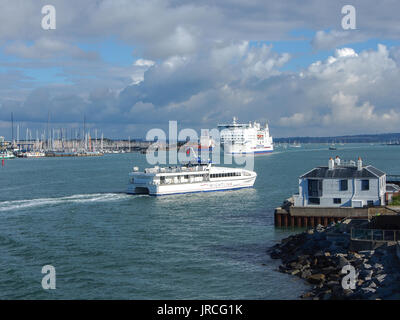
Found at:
[191, 177]
[237, 138]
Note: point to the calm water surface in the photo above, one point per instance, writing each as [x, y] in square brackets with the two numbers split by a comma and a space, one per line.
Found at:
[73, 214]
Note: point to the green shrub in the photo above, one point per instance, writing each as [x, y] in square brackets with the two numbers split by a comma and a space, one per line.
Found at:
[396, 200]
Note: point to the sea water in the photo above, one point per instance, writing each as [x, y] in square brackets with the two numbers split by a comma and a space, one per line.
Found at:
[73, 214]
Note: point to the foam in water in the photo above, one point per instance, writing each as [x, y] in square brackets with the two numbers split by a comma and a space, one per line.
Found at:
[78, 198]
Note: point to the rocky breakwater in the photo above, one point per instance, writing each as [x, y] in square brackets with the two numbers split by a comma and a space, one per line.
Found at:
[319, 255]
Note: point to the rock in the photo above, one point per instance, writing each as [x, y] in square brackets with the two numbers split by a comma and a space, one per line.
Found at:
[303, 257]
[327, 254]
[381, 277]
[305, 274]
[327, 295]
[310, 231]
[369, 290]
[343, 262]
[368, 276]
[357, 256]
[316, 278]
[293, 273]
[378, 266]
[348, 292]
[282, 268]
[367, 266]
[306, 266]
[307, 295]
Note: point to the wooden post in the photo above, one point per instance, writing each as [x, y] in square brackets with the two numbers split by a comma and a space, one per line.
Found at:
[285, 219]
[292, 221]
[318, 220]
[325, 221]
[305, 219]
[299, 222]
[312, 222]
[278, 218]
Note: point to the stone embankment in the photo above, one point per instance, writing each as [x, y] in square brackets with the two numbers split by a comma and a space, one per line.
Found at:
[319, 255]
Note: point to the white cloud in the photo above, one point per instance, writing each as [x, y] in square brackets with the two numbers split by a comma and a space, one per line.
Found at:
[45, 48]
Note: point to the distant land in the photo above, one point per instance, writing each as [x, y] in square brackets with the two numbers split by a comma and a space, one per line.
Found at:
[361, 138]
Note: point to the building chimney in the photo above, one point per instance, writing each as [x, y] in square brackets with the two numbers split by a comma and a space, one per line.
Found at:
[337, 161]
[331, 164]
[359, 164]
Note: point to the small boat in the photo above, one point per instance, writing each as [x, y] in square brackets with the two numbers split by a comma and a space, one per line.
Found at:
[6, 155]
[332, 147]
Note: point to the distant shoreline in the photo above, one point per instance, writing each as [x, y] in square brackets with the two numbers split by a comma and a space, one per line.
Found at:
[384, 138]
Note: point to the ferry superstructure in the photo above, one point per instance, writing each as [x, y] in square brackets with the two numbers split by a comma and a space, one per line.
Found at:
[251, 138]
[189, 178]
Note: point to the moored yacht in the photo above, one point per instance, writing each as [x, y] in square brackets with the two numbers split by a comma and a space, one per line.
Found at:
[6, 155]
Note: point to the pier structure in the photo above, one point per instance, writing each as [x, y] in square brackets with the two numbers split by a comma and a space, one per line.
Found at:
[309, 217]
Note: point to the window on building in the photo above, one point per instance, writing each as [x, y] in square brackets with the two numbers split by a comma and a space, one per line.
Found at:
[364, 184]
[313, 201]
[337, 200]
[344, 185]
[370, 202]
[314, 188]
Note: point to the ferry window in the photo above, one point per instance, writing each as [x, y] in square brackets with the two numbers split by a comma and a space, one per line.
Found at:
[313, 200]
[186, 177]
[370, 202]
[344, 185]
[364, 185]
[337, 200]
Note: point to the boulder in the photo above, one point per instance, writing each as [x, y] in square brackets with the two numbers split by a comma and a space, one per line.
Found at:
[305, 274]
[381, 277]
[343, 261]
[316, 278]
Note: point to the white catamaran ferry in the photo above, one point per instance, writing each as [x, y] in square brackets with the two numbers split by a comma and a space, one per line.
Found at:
[192, 177]
[239, 138]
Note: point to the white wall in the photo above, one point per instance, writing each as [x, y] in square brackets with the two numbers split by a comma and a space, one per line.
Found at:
[353, 196]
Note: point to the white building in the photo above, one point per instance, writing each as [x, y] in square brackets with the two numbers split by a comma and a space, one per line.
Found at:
[342, 184]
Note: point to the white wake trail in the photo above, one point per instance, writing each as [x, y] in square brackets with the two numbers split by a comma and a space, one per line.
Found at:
[78, 198]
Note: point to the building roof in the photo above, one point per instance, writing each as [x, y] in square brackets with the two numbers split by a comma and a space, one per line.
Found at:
[339, 172]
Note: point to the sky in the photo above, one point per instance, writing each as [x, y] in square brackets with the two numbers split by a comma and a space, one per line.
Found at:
[129, 66]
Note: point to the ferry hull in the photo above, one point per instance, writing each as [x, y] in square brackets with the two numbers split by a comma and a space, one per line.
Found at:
[242, 149]
[208, 186]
